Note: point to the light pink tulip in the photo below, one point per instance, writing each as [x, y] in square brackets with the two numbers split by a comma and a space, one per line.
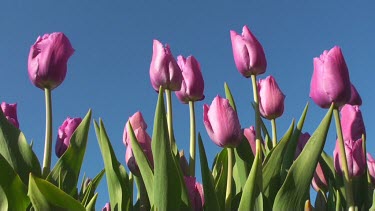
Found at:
[271, 98]
[371, 167]
[10, 112]
[196, 194]
[107, 207]
[66, 131]
[251, 138]
[136, 121]
[352, 122]
[354, 155]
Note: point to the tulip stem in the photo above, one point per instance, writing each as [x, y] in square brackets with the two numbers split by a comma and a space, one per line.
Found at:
[257, 113]
[192, 139]
[344, 163]
[48, 138]
[228, 195]
[169, 117]
[274, 134]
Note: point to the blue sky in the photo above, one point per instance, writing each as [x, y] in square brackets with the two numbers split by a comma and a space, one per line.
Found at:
[109, 71]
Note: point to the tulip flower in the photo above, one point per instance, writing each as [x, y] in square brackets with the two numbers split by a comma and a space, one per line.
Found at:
[184, 163]
[164, 70]
[352, 122]
[354, 156]
[371, 167]
[192, 86]
[251, 136]
[10, 112]
[355, 98]
[144, 141]
[107, 207]
[302, 140]
[222, 123]
[136, 121]
[330, 81]
[271, 99]
[48, 57]
[66, 131]
[196, 194]
[248, 53]
[319, 181]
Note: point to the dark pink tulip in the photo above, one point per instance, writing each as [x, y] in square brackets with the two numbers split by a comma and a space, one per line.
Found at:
[319, 181]
[271, 99]
[330, 81]
[192, 86]
[371, 167]
[164, 70]
[196, 194]
[10, 112]
[302, 140]
[136, 121]
[66, 131]
[107, 207]
[48, 59]
[352, 122]
[145, 141]
[222, 123]
[248, 53]
[251, 137]
[354, 156]
[355, 98]
[184, 163]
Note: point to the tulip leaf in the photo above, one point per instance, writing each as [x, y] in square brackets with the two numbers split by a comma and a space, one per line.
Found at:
[65, 174]
[117, 178]
[244, 158]
[295, 190]
[91, 205]
[220, 173]
[229, 96]
[13, 192]
[90, 190]
[320, 201]
[373, 202]
[16, 151]
[210, 199]
[46, 196]
[167, 184]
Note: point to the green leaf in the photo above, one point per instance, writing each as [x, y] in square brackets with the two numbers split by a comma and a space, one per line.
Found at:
[90, 190]
[210, 199]
[295, 190]
[320, 201]
[91, 205]
[220, 173]
[167, 184]
[229, 96]
[16, 151]
[68, 167]
[244, 158]
[46, 196]
[13, 192]
[117, 179]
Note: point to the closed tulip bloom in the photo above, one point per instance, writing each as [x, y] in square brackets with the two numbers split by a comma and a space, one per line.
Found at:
[10, 112]
[330, 81]
[136, 122]
[352, 122]
[302, 140]
[354, 156]
[271, 99]
[251, 137]
[222, 123]
[184, 163]
[164, 70]
[248, 53]
[319, 181]
[371, 167]
[48, 57]
[192, 85]
[107, 207]
[196, 194]
[355, 98]
[66, 131]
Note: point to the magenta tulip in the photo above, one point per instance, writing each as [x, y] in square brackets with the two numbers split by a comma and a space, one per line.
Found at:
[371, 167]
[271, 99]
[10, 112]
[196, 194]
[302, 140]
[66, 131]
[354, 156]
[48, 59]
[251, 137]
[355, 98]
[136, 121]
[248, 53]
[192, 85]
[164, 70]
[352, 122]
[107, 207]
[222, 123]
[330, 81]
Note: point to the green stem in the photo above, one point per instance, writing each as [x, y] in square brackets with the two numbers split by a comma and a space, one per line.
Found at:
[344, 163]
[228, 195]
[169, 117]
[192, 139]
[274, 134]
[48, 138]
[257, 113]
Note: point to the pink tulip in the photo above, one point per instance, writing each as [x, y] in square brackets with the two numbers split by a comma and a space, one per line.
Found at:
[251, 137]
[352, 122]
[10, 112]
[248, 53]
[355, 98]
[107, 207]
[164, 70]
[371, 167]
[48, 59]
[330, 81]
[354, 156]
[196, 194]
[222, 123]
[192, 86]
[184, 163]
[319, 181]
[271, 99]
[66, 131]
[136, 121]
[302, 140]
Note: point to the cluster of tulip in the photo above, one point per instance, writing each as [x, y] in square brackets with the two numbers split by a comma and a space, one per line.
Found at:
[254, 170]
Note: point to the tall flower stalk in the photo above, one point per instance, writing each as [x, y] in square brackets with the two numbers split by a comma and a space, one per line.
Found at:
[192, 139]
[48, 135]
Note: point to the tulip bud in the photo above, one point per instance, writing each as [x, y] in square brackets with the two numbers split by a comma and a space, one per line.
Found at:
[66, 131]
[248, 53]
[330, 81]
[355, 98]
[192, 85]
[164, 70]
[86, 184]
[371, 167]
[319, 181]
[144, 141]
[107, 207]
[10, 112]
[222, 123]
[48, 59]
[250, 135]
[302, 140]
[354, 155]
[352, 122]
[196, 194]
[136, 121]
[271, 99]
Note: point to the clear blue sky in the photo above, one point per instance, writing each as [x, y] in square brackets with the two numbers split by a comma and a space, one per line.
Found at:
[109, 71]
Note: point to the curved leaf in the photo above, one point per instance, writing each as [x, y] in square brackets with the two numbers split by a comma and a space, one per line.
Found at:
[90, 190]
